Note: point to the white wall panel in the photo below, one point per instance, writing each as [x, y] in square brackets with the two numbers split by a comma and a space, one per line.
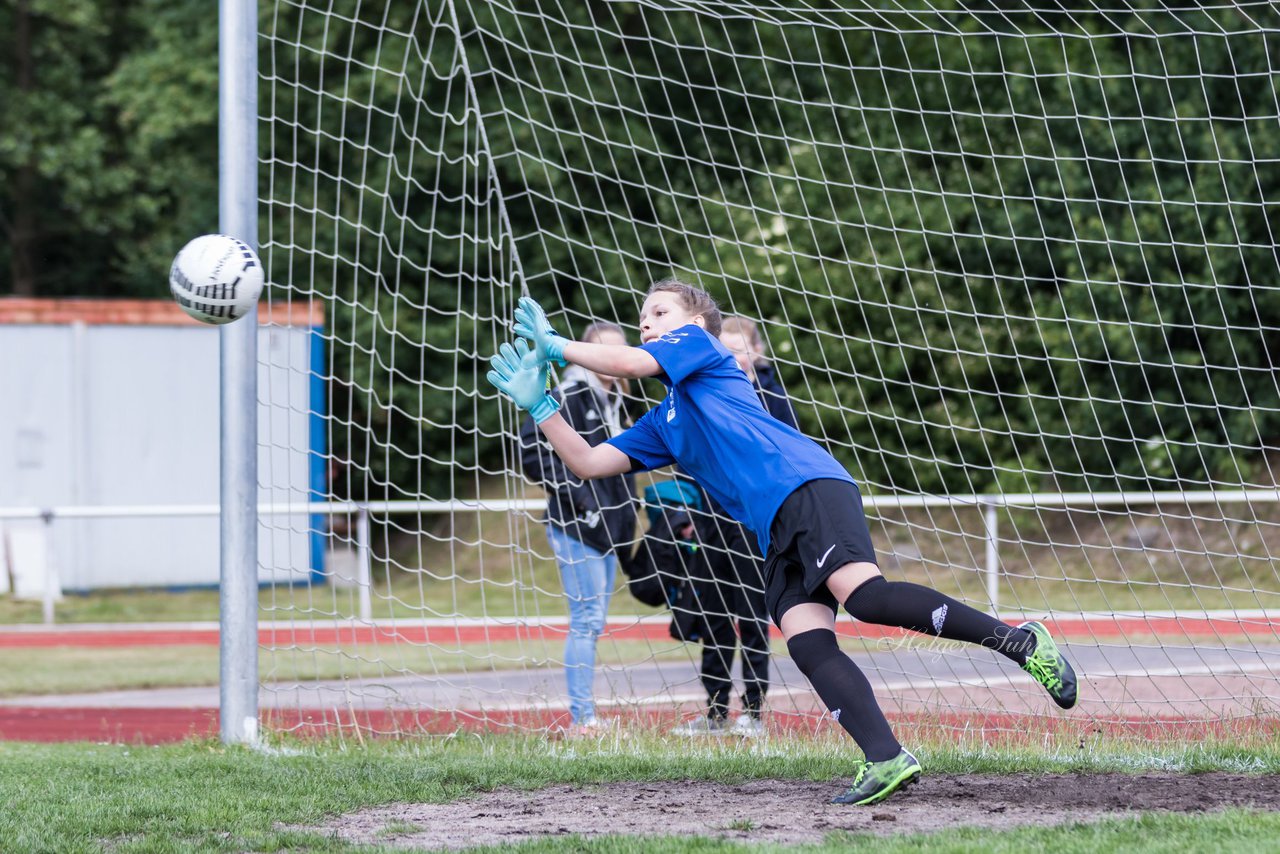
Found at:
[128, 415]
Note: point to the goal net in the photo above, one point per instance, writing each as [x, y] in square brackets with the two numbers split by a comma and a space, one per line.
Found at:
[1014, 264]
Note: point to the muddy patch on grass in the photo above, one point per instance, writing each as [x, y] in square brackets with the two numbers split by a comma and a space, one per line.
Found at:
[795, 810]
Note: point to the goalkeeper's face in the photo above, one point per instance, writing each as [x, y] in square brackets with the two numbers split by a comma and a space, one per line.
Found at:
[662, 312]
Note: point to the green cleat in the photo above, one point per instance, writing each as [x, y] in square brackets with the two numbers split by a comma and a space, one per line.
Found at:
[878, 780]
[1049, 667]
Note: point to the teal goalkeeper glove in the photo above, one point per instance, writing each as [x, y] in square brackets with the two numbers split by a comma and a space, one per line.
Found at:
[532, 323]
[519, 375]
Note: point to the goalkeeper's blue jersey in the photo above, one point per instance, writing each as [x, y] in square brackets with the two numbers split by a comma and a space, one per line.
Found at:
[712, 424]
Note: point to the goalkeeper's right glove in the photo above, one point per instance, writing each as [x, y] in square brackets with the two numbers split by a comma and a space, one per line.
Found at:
[518, 374]
[532, 323]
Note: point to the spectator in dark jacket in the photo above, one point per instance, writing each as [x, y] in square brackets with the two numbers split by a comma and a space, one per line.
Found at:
[586, 521]
[734, 604]
[668, 567]
[742, 338]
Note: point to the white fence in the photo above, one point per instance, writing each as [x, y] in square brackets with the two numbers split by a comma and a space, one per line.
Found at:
[989, 504]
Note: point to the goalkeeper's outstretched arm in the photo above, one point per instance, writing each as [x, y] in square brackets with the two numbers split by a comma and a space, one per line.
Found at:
[583, 460]
[520, 375]
[614, 360]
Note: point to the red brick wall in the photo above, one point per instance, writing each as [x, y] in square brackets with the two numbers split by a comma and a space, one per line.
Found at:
[140, 312]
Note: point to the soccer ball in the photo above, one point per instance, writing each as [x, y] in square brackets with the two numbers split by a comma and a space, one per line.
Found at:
[216, 278]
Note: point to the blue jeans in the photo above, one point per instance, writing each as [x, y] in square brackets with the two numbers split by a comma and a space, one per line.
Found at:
[588, 577]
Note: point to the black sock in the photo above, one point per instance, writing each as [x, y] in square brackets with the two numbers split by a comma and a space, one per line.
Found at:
[844, 689]
[900, 603]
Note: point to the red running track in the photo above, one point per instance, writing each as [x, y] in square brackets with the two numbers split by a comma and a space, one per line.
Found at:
[161, 725]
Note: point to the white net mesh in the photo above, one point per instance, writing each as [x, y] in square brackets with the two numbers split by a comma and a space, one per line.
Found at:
[1015, 268]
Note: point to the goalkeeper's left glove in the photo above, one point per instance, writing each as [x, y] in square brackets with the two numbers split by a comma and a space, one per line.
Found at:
[518, 374]
[532, 323]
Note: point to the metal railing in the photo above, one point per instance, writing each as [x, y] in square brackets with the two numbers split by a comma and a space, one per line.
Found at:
[989, 505]
[361, 511]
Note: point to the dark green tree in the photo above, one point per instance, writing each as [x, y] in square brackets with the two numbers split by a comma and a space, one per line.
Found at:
[108, 147]
[992, 249]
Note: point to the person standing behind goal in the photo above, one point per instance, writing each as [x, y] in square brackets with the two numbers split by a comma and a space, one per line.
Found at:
[802, 506]
[742, 338]
[735, 611]
[586, 521]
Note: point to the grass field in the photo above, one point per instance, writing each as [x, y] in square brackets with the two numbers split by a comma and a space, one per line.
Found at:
[205, 797]
[63, 670]
[412, 595]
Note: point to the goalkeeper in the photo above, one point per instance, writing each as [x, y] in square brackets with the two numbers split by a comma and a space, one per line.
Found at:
[800, 503]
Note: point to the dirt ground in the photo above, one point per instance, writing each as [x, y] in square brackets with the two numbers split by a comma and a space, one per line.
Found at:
[795, 811]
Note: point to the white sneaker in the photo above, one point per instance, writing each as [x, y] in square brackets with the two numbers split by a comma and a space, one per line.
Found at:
[592, 728]
[702, 726]
[747, 726]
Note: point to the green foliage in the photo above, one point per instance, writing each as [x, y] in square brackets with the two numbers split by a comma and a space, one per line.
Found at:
[117, 135]
[992, 250]
[992, 261]
[163, 96]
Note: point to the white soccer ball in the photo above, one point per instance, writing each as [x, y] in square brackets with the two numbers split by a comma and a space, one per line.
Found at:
[216, 278]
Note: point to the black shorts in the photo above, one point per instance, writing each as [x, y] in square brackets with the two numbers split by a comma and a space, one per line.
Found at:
[817, 530]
